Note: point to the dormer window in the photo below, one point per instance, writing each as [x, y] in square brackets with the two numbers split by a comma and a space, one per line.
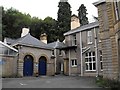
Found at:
[89, 37]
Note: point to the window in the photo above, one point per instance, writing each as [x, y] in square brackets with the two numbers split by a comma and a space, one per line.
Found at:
[101, 61]
[89, 37]
[117, 9]
[73, 62]
[90, 62]
[74, 42]
[60, 52]
[52, 52]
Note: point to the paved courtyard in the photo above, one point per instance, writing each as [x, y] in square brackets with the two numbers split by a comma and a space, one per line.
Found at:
[50, 82]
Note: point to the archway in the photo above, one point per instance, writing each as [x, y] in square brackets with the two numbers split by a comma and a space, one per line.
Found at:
[42, 66]
[28, 65]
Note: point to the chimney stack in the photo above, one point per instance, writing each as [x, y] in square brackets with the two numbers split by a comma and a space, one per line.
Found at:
[25, 31]
[74, 22]
[43, 38]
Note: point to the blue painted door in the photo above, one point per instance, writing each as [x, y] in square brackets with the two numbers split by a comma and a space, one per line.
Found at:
[28, 66]
[42, 66]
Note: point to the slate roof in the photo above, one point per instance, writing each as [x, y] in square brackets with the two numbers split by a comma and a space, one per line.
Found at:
[29, 40]
[2, 43]
[9, 40]
[56, 45]
[99, 2]
[83, 28]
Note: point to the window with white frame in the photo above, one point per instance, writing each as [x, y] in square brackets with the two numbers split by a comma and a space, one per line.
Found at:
[90, 62]
[101, 61]
[74, 42]
[74, 62]
[117, 9]
[52, 52]
[89, 33]
[60, 52]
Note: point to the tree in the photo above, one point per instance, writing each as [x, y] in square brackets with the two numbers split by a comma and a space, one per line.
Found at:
[13, 21]
[64, 18]
[82, 12]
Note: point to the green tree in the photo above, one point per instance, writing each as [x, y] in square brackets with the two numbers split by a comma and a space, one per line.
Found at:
[50, 28]
[64, 18]
[82, 12]
[13, 21]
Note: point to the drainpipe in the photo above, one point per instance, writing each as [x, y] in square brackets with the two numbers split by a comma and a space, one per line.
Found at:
[55, 59]
[96, 54]
[81, 54]
[69, 64]
[69, 60]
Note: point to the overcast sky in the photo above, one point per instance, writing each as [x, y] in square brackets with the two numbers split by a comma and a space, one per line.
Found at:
[44, 8]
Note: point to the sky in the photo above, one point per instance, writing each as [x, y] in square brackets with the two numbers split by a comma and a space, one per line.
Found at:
[44, 8]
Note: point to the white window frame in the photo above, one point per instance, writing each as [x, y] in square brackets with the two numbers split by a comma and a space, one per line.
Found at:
[117, 11]
[88, 62]
[74, 63]
[101, 61]
[89, 37]
[60, 52]
[53, 53]
[74, 41]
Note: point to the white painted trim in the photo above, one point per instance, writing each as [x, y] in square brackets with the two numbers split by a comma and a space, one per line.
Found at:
[86, 50]
[55, 58]
[69, 61]
[9, 46]
[81, 53]
[96, 53]
[74, 63]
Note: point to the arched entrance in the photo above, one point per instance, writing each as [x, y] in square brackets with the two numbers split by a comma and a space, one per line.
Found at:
[42, 65]
[28, 65]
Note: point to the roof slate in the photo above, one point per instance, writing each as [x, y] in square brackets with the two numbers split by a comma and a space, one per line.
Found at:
[56, 45]
[83, 28]
[29, 40]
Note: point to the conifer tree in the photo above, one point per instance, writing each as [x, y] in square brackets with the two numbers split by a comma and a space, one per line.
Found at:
[82, 12]
[64, 18]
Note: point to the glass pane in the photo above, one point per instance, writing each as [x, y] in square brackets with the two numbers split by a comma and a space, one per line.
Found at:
[100, 58]
[94, 66]
[87, 66]
[72, 62]
[90, 59]
[75, 62]
[89, 53]
[90, 65]
[86, 59]
[93, 53]
[86, 54]
[93, 58]
[101, 65]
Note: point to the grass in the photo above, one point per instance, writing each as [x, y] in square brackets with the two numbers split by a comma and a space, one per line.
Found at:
[107, 83]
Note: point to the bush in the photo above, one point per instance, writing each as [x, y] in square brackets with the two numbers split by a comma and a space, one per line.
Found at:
[107, 83]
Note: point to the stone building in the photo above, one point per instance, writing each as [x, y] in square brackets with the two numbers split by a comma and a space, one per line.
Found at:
[83, 52]
[8, 60]
[34, 56]
[109, 19]
[59, 55]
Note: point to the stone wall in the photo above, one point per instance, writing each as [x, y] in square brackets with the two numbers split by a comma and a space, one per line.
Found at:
[109, 40]
[36, 53]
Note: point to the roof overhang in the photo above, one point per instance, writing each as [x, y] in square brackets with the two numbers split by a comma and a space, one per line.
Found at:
[99, 2]
[9, 46]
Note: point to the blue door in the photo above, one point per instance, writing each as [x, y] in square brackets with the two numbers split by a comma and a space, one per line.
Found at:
[42, 66]
[28, 66]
